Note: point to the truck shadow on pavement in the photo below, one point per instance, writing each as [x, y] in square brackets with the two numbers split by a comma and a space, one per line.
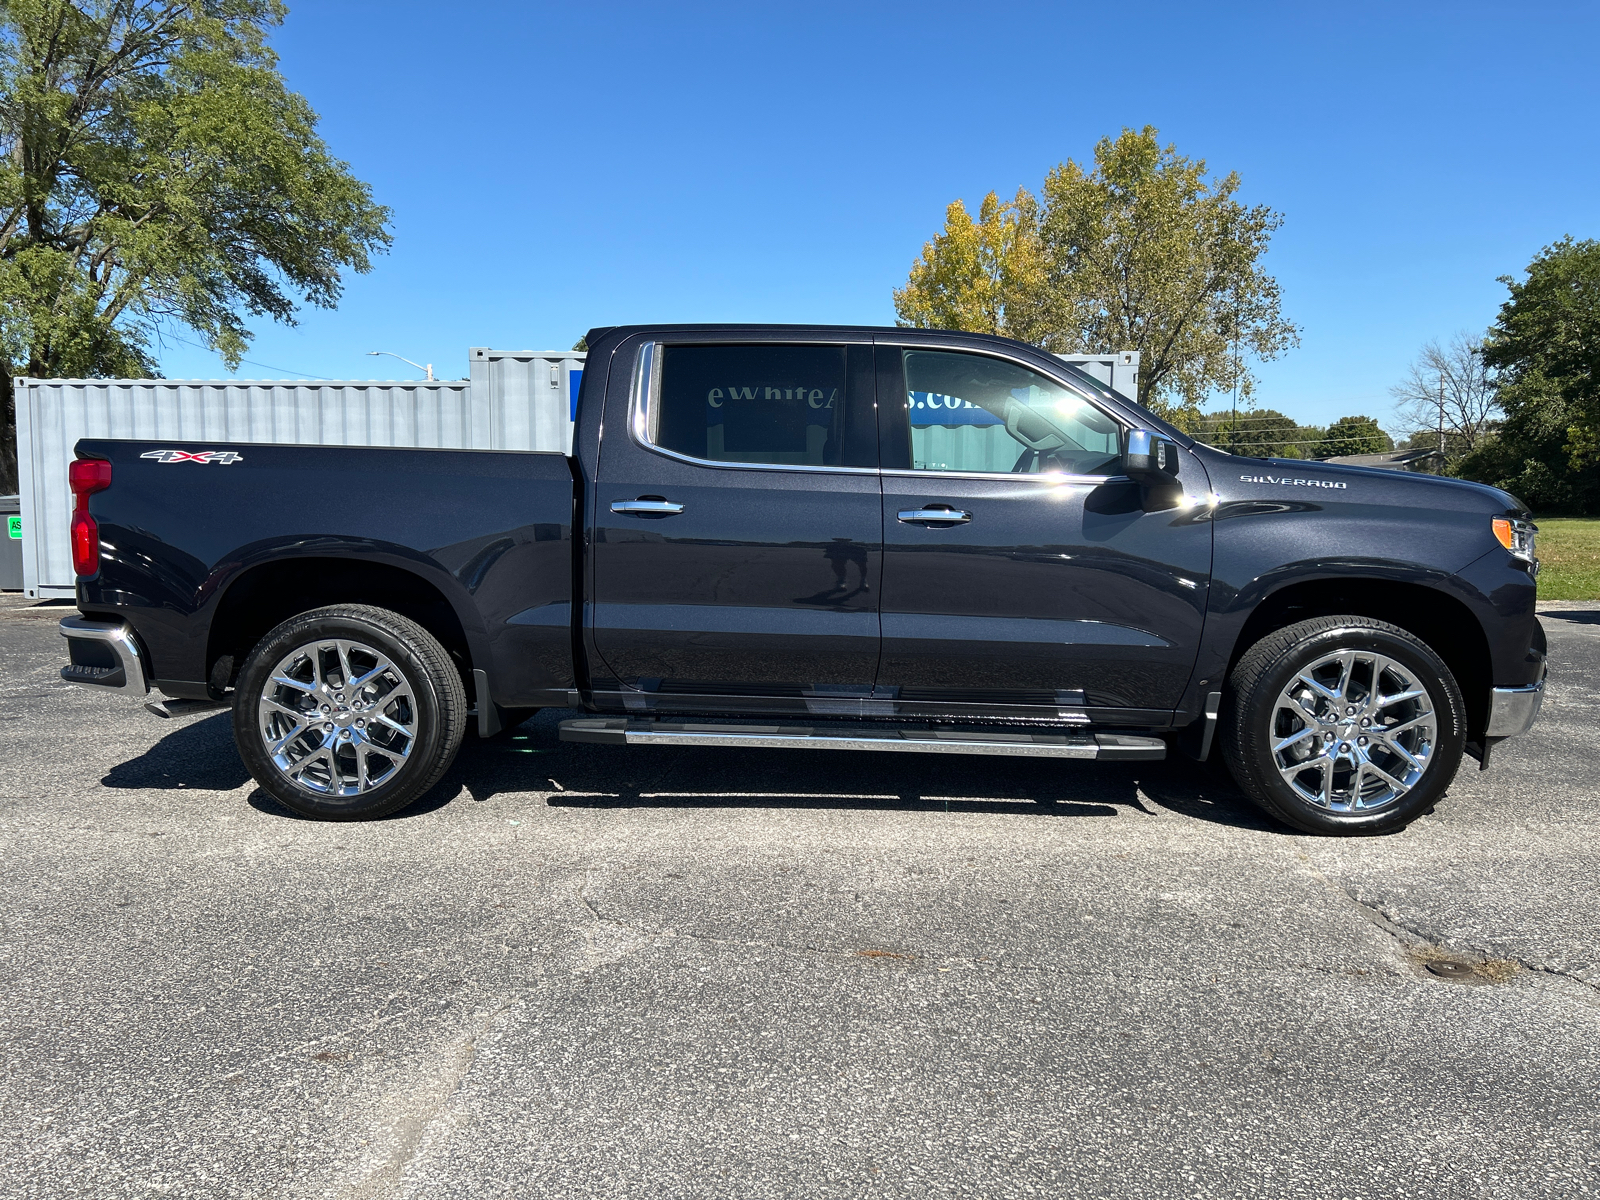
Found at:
[1089, 790]
[1578, 616]
[614, 777]
[200, 756]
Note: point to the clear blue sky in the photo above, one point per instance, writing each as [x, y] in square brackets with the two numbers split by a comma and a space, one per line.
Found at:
[553, 167]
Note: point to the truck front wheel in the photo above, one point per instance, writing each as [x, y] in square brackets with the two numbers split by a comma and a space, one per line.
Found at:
[1343, 725]
[348, 712]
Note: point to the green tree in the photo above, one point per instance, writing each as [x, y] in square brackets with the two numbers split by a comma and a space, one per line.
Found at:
[156, 173]
[1142, 251]
[1255, 433]
[1353, 435]
[980, 276]
[1545, 350]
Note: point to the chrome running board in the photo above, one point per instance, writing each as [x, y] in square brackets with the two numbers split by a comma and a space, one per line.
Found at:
[1104, 747]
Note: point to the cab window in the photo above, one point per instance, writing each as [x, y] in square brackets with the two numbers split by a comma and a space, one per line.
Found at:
[770, 404]
[969, 412]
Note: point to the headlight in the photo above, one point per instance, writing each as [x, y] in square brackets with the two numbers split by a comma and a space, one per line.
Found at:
[1516, 536]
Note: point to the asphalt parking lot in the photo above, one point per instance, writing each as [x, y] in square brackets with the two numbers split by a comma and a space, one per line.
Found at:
[588, 971]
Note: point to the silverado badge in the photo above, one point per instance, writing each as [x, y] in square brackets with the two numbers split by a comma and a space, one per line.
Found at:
[1288, 482]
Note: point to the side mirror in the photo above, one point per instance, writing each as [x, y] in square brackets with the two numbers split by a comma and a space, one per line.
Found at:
[1151, 459]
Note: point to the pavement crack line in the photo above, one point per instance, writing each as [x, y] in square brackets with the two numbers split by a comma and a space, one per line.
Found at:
[909, 958]
[422, 1109]
[641, 934]
[1417, 942]
[291, 1053]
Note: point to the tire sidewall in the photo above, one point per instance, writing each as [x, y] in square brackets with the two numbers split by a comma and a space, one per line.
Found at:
[1254, 714]
[301, 631]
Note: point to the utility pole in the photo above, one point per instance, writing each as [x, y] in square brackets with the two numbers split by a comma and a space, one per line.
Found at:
[1233, 434]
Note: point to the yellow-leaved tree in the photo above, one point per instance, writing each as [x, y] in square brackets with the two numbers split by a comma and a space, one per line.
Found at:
[982, 276]
[1141, 251]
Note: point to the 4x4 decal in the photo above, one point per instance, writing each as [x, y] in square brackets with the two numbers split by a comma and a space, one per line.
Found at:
[226, 457]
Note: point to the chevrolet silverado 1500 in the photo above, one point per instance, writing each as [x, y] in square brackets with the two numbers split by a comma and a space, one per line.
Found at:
[838, 538]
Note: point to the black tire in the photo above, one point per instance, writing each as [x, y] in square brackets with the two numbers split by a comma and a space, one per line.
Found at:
[1253, 720]
[387, 766]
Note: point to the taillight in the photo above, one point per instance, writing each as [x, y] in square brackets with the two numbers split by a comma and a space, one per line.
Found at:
[86, 477]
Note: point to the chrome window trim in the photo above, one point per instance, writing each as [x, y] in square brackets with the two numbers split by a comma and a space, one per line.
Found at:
[638, 414]
[647, 386]
[1041, 477]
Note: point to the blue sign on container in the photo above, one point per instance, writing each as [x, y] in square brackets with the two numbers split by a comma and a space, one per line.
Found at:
[930, 408]
[574, 378]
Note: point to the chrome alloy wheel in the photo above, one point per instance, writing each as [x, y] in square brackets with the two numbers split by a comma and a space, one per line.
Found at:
[1354, 731]
[338, 718]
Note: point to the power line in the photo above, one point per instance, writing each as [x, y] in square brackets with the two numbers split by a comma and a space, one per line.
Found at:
[251, 361]
[1223, 417]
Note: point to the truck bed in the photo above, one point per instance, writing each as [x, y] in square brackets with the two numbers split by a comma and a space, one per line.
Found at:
[481, 537]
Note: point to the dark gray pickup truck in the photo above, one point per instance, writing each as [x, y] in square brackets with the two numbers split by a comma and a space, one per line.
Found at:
[837, 538]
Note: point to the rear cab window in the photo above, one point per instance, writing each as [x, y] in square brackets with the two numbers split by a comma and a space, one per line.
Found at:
[763, 405]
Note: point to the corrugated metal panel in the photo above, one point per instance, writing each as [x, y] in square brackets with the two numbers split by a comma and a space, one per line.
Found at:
[509, 404]
[534, 392]
[1119, 371]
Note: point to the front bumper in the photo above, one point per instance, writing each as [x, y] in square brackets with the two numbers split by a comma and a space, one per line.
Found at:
[104, 654]
[1512, 711]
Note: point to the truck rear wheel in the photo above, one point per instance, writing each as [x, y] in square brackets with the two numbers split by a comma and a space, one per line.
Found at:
[348, 712]
[1343, 725]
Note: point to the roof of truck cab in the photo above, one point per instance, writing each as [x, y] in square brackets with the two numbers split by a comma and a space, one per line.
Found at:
[621, 332]
[771, 327]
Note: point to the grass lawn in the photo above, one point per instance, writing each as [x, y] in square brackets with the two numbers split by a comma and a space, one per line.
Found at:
[1569, 558]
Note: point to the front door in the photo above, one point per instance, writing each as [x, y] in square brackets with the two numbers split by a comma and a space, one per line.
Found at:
[1023, 575]
[737, 542]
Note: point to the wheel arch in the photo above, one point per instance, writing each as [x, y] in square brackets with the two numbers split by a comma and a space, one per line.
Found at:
[1442, 621]
[263, 595]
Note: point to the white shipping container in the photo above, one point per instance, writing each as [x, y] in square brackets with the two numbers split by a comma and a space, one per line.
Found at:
[519, 400]
[1119, 371]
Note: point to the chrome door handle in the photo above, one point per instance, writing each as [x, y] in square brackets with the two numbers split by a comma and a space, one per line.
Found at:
[943, 516]
[659, 508]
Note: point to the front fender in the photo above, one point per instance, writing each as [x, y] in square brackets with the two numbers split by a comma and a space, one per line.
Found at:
[1234, 604]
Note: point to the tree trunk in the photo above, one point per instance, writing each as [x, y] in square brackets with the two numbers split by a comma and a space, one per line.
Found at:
[8, 433]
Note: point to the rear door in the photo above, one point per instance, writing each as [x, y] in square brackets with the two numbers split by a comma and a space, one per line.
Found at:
[737, 547]
[1023, 574]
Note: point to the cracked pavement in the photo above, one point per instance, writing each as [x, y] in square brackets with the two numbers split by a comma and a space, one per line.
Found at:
[604, 972]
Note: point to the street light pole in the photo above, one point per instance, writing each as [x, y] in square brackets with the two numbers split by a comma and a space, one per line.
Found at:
[428, 370]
